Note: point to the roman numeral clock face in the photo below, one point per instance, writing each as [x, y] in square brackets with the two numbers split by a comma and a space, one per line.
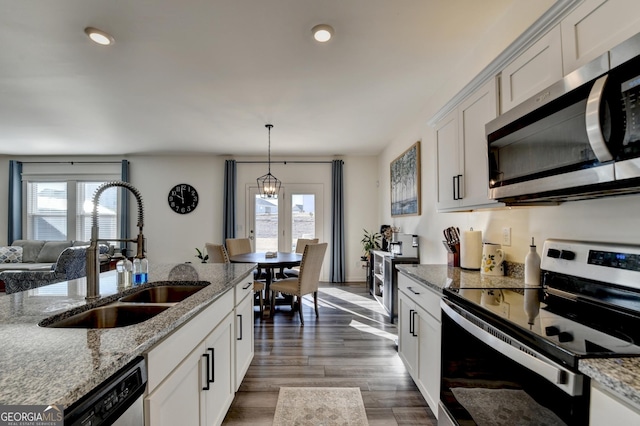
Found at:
[183, 198]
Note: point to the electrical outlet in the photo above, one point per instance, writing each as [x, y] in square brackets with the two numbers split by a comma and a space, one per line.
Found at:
[506, 236]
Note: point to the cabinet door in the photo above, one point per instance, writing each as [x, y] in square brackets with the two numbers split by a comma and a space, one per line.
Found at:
[407, 336]
[596, 26]
[534, 70]
[448, 154]
[177, 400]
[243, 339]
[217, 399]
[474, 113]
[429, 332]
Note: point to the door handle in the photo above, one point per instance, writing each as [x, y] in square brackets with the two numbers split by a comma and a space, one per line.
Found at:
[592, 121]
[411, 311]
[413, 319]
[213, 365]
[240, 317]
[460, 196]
[453, 178]
[206, 387]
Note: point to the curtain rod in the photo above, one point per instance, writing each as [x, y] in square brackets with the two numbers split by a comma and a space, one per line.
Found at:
[71, 162]
[284, 162]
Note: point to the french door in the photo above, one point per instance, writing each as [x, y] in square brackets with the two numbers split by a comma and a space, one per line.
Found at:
[276, 224]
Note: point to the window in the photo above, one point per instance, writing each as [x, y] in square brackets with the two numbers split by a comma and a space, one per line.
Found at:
[58, 205]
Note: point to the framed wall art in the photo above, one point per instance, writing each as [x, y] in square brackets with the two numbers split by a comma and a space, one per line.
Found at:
[405, 182]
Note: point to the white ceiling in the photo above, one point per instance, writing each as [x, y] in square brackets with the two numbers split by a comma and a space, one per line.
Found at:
[205, 76]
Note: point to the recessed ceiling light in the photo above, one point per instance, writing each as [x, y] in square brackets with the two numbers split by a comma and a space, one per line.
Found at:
[99, 36]
[322, 33]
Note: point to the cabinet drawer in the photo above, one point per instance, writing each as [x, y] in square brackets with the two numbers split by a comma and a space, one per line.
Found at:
[163, 358]
[243, 289]
[423, 296]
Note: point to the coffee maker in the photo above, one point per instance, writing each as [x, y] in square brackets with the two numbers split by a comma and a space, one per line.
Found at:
[404, 245]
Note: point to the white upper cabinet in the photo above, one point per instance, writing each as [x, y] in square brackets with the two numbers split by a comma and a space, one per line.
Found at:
[463, 175]
[534, 70]
[594, 27]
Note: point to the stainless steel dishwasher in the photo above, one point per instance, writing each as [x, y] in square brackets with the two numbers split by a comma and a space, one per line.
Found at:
[117, 401]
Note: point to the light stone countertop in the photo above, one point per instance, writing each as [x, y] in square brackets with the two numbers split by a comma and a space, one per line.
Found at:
[40, 365]
[620, 375]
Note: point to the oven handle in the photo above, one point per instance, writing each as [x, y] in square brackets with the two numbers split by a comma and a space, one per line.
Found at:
[568, 381]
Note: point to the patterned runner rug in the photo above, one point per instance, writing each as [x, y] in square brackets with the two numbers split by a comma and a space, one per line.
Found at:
[320, 407]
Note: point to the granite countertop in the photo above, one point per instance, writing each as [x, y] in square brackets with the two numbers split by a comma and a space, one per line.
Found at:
[619, 375]
[49, 366]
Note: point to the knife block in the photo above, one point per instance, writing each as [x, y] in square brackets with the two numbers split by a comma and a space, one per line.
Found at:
[453, 259]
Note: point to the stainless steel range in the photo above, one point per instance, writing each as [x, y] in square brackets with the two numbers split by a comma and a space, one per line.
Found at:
[520, 347]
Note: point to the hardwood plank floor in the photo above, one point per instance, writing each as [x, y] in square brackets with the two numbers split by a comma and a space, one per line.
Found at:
[350, 344]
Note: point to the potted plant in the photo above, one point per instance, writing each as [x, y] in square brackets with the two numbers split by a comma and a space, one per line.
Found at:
[370, 241]
[202, 255]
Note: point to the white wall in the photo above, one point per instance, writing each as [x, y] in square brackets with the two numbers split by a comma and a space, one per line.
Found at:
[614, 219]
[173, 237]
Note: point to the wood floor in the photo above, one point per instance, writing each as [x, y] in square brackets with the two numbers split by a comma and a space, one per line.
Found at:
[349, 345]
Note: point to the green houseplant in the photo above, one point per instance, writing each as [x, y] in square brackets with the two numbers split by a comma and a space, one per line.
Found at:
[202, 255]
[370, 241]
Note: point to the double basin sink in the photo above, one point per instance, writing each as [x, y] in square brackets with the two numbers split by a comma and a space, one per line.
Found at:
[128, 310]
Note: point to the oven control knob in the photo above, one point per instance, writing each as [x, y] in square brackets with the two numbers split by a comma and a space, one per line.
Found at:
[567, 255]
[565, 337]
[551, 330]
[553, 253]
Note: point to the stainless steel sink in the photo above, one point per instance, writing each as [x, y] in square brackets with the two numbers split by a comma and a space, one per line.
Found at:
[110, 316]
[163, 294]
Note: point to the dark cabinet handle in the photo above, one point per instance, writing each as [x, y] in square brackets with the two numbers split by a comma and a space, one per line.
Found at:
[411, 311]
[454, 187]
[240, 316]
[213, 365]
[412, 290]
[413, 320]
[247, 286]
[206, 387]
[460, 197]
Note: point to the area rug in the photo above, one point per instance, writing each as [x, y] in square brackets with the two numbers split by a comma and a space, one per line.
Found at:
[504, 407]
[320, 407]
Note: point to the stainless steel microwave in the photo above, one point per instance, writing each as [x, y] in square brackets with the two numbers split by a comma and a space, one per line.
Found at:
[577, 139]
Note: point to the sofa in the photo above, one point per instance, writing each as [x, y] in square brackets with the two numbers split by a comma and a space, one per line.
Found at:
[28, 264]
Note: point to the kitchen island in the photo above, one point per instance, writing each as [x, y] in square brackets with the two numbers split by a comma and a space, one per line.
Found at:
[58, 366]
[619, 376]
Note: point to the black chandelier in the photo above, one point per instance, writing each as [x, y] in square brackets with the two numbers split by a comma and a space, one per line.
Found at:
[269, 185]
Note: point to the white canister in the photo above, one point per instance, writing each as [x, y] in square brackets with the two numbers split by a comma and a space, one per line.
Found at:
[471, 249]
[492, 259]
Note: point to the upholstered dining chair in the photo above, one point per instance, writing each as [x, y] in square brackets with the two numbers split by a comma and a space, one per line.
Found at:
[217, 253]
[238, 246]
[306, 282]
[241, 246]
[301, 243]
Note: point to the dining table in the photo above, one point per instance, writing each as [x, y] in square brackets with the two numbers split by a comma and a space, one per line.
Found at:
[269, 264]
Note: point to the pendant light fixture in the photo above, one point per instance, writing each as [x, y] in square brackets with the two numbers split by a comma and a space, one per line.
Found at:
[269, 185]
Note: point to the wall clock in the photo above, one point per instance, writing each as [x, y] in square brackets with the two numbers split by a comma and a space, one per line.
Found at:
[183, 198]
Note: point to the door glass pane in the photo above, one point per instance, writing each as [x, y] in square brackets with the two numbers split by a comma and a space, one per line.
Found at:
[303, 217]
[266, 226]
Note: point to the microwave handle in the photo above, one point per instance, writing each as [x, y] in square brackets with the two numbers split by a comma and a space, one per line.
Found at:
[592, 121]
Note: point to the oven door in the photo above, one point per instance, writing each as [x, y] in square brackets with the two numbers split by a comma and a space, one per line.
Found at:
[490, 378]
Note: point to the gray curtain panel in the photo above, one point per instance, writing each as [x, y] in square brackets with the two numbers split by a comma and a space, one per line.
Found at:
[15, 202]
[229, 201]
[337, 272]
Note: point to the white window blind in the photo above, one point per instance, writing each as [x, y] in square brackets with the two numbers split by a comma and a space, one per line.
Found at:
[58, 201]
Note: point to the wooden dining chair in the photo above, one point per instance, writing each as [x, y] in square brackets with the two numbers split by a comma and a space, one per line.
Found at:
[301, 243]
[306, 282]
[217, 253]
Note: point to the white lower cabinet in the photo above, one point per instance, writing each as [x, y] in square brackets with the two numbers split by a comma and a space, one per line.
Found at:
[607, 409]
[200, 390]
[243, 335]
[419, 334]
[194, 372]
